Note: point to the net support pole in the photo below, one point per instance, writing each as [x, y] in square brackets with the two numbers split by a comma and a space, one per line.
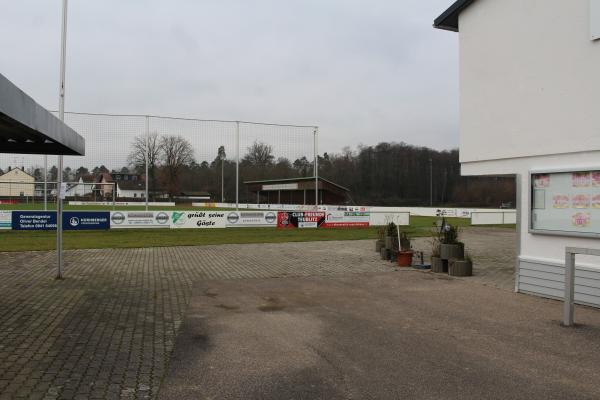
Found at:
[61, 116]
[315, 142]
[147, 157]
[45, 183]
[237, 165]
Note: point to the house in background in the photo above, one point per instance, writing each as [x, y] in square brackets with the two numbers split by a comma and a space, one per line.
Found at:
[530, 108]
[82, 188]
[131, 189]
[128, 185]
[16, 183]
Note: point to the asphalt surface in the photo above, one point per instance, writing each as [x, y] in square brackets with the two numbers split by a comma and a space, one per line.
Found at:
[401, 335]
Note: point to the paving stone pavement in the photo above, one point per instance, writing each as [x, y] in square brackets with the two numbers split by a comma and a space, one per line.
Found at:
[108, 329]
[494, 252]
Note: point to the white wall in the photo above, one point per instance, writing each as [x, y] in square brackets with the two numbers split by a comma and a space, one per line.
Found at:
[12, 183]
[529, 80]
[529, 87]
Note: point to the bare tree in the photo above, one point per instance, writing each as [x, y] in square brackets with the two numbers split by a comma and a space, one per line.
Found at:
[259, 154]
[137, 157]
[176, 153]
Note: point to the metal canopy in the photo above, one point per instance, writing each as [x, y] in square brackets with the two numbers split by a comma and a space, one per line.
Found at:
[28, 128]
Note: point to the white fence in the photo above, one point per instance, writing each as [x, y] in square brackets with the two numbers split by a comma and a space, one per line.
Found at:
[419, 211]
[494, 217]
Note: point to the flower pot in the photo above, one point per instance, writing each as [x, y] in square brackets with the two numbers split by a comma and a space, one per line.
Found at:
[379, 245]
[391, 242]
[404, 258]
[437, 265]
[448, 251]
[384, 253]
[460, 268]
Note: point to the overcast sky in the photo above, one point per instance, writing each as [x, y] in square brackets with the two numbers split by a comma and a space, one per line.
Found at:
[364, 71]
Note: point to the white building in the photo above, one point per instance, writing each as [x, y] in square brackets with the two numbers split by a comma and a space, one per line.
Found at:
[81, 188]
[131, 189]
[16, 183]
[530, 107]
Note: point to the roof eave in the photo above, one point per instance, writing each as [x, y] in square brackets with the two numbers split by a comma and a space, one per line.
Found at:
[448, 20]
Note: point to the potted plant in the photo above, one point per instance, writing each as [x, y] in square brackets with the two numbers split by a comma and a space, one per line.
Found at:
[380, 243]
[405, 255]
[458, 267]
[437, 264]
[391, 239]
[450, 247]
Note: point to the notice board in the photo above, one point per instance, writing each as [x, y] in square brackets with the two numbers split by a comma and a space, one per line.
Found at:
[566, 203]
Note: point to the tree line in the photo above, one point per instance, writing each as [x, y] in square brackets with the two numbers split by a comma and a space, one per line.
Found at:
[386, 174]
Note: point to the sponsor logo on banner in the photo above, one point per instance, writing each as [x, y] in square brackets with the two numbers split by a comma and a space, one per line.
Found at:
[251, 218]
[198, 219]
[86, 220]
[300, 219]
[72, 220]
[346, 219]
[33, 220]
[139, 219]
[5, 219]
[595, 201]
[445, 212]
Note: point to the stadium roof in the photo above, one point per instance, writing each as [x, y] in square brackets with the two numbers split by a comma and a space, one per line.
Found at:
[307, 178]
[28, 128]
[448, 20]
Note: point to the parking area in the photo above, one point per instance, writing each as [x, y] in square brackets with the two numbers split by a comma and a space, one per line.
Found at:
[403, 335]
[108, 330]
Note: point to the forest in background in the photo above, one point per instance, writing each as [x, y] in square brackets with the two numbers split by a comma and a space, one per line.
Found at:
[387, 174]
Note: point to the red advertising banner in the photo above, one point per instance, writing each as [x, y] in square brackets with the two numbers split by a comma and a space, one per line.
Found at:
[300, 219]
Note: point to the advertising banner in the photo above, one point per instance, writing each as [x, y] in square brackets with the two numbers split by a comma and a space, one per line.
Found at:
[300, 219]
[33, 220]
[139, 219]
[86, 220]
[72, 220]
[346, 219]
[198, 219]
[122, 203]
[251, 218]
[5, 219]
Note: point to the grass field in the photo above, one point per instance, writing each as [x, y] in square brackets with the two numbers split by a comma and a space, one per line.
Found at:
[115, 238]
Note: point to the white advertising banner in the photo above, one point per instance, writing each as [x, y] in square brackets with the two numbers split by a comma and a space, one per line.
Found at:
[122, 203]
[139, 219]
[346, 219]
[380, 218]
[198, 219]
[251, 218]
[6, 220]
[281, 186]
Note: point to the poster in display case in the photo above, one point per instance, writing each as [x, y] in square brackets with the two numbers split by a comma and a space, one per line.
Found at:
[565, 202]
